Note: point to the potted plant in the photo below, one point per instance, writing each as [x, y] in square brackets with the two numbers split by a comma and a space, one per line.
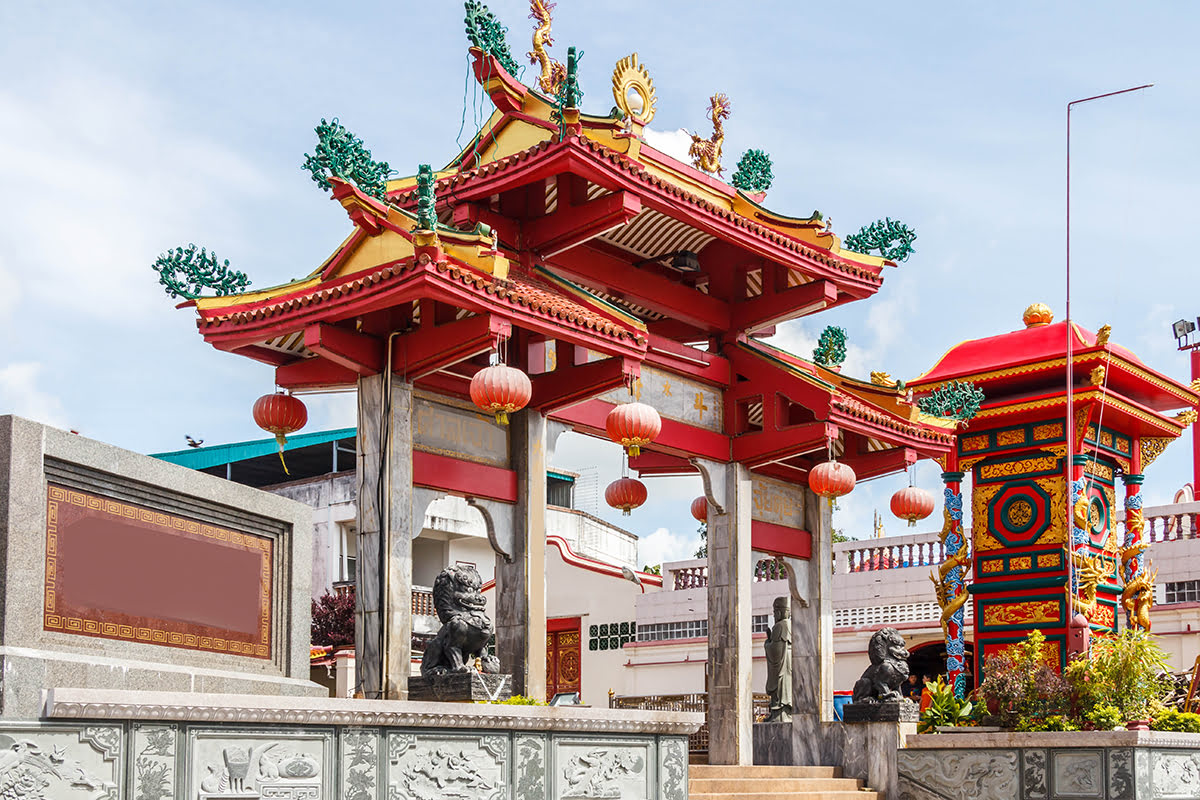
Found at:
[945, 710]
[1021, 685]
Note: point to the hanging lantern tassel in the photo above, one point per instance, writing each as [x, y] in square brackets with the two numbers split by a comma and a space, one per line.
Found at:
[280, 414]
[633, 425]
[501, 390]
[912, 504]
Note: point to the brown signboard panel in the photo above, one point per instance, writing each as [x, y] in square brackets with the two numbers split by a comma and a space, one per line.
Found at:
[119, 571]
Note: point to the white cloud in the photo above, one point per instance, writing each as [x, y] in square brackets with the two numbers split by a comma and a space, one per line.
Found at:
[21, 395]
[107, 180]
[673, 143]
[666, 545]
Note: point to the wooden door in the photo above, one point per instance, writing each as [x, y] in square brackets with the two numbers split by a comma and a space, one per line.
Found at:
[564, 667]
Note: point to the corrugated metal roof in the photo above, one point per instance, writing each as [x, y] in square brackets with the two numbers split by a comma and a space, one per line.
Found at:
[216, 455]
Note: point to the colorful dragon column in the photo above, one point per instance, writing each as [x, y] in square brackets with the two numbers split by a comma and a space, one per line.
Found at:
[1138, 594]
[950, 583]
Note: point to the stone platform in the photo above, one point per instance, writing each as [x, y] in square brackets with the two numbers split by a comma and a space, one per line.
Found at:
[902, 711]
[191, 745]
[460, 687]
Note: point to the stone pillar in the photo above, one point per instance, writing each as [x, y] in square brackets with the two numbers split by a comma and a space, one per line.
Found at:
[730, 578]
[812, 639]
[383, 592]
[521, 582]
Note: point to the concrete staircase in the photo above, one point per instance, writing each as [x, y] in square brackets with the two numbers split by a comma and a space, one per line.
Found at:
[712, 782]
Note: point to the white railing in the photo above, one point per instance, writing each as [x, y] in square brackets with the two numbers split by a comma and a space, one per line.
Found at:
[1168, 523]
[892, 552]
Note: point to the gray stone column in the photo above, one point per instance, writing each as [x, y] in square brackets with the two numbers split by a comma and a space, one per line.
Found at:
[812, 637]
[730, 578]
[521, 581]
[383, 611]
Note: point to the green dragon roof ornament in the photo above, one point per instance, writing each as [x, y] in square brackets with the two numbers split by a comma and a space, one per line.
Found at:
[891, 238]
[426, 217]
[185, 273]
[341, 154]
[485, 32]
[956, 399]
[831, 347]
[753, 172]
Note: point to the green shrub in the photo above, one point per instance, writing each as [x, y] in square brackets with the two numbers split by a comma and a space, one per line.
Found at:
[945, 709]
[1128, 672]
[1023, 683]
[1104, 717]
[518, 700]
[1053, 722]
[1176, 721]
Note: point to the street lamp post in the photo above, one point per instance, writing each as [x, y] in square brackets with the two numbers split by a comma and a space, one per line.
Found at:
[1080, 644]
[1183, 330]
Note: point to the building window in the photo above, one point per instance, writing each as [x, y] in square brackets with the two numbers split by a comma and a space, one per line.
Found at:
[348, 553]
[1183, 592]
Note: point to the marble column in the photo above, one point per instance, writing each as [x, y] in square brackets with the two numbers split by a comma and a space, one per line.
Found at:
[730, 578]
[383, 592]
[812, 638]
[521, 580]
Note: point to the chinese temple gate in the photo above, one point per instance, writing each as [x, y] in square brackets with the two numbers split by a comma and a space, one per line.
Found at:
[1035, 566]
[563, 245]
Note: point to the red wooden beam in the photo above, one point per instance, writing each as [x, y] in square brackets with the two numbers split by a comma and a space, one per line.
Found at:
[767, 445]
[266, 355]
[434, 347]
[780, 540]
[572, 225]
[346, 348]
[774, 307]
[688, 361]
[615, 276]
[467, 215]
[570, 384]
[465, 478]
[882, 462]
[314, 373]
[676, 438]
[652, 463]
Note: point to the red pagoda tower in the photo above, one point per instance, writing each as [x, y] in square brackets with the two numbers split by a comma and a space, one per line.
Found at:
[1036, 566]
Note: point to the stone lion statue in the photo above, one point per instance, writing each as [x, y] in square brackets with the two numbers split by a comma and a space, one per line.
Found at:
[880, 682]
[465, 630]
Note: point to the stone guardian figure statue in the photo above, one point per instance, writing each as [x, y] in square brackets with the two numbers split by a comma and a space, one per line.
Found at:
[779, 662]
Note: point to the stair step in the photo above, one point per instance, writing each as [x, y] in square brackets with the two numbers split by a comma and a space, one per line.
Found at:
[712, 771]
[770, 785]
[860, 794]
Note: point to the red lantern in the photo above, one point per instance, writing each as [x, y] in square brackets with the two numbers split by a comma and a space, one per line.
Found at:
[700, 508]
[625, 494]
[912, 504]
[280, 414]
[831, 479]
[633, 425]
[501, 390]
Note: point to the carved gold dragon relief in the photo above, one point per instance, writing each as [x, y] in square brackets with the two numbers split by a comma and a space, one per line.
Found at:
[1138, 596]
[1089, 571]
[553, 72]
[706, 153]
[950, 604]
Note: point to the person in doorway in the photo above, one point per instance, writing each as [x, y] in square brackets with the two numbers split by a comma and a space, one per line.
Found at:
[912, 687]
[927, 693]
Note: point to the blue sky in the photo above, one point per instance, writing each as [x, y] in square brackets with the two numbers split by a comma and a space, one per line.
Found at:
[129, 128]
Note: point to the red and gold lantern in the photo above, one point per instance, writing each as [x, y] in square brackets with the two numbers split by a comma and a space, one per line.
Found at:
[700, 508]
[832, 479]
[633, 425]
[625, 494]
[912, 504]
[501, 390]
[280, 414]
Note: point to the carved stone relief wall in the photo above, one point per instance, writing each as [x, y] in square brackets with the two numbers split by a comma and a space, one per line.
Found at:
[254, 760]
[1055, 773]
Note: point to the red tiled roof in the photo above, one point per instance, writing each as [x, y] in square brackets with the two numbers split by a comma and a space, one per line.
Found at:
[408, 196]
[516, 292]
